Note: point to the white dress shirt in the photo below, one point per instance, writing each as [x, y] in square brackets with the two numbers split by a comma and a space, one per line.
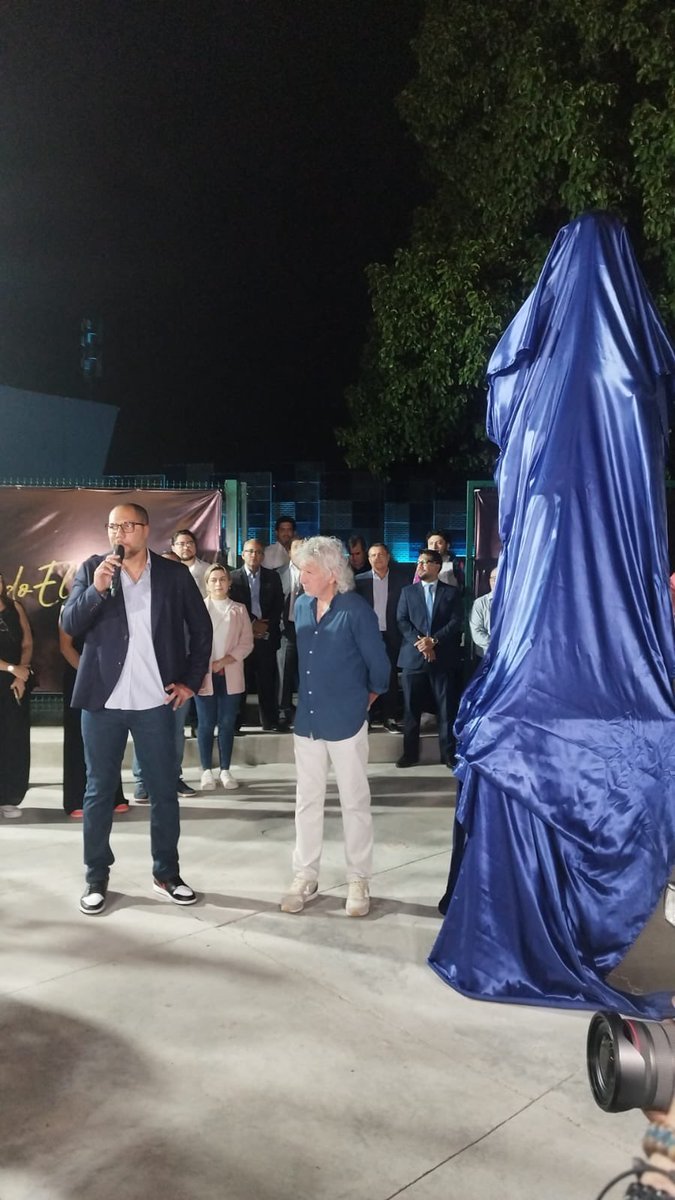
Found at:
[140, 684]
[275, 556]
[198, 571]
[295, 591]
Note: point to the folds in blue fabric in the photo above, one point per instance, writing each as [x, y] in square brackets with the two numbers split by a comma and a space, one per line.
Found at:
[567, 735]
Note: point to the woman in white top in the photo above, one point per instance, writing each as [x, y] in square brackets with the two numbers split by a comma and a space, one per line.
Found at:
[219, 697]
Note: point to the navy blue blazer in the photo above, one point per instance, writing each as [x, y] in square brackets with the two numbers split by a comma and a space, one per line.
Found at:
[271, 599]
[398, 579]
[176, 606]
[446, 625]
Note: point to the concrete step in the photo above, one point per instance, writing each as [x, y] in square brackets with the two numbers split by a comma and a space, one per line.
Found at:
[253, 749]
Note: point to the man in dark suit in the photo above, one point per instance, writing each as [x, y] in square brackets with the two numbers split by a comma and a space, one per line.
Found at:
[430, 621]
[135, 667]
[260, 590]
[287, 654]
[381, 586]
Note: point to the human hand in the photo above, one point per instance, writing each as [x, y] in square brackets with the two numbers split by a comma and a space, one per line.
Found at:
[425, 645]
[105, 571]
[20, 672]
[372, 697]
[177, 694]
[259, 627]
[18, 687]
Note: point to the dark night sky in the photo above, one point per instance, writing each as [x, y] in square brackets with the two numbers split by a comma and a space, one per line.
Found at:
[212, 179]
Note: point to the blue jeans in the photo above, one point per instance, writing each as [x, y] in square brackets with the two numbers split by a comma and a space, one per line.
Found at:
[178, 716]
[220, 709]
[104, 734]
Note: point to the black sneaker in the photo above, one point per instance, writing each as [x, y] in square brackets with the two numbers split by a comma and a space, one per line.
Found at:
[174, 889]
[93, 898]
[404, 761]
[184, 789]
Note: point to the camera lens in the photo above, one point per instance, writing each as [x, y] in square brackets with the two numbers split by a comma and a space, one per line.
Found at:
[631, 1064]
[606, 1063]
[601, 1058]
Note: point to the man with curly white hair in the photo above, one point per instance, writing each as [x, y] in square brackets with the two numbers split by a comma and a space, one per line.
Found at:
[342, 667]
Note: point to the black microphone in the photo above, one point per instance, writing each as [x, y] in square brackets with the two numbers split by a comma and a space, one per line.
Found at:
[115, 581]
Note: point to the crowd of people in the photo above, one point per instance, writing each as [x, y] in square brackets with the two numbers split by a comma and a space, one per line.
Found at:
[331, 639]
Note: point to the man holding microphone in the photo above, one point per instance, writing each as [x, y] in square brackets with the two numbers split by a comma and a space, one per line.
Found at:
[131, 608]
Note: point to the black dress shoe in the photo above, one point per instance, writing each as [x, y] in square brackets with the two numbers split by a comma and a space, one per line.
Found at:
[392, 726]
[404, 761]
[92, 900]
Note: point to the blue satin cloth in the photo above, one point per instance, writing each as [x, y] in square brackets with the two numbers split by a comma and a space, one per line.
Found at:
[565, 828]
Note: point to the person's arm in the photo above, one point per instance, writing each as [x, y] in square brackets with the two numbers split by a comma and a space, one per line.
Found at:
[658, 1144]
[20, 670]
[480, 633]
[26, 636]
[87, 596]
[200, 629]
[366, 631]
[242, 646]
[67, 648]
[409, 631]
[276, 606]
[454, 622]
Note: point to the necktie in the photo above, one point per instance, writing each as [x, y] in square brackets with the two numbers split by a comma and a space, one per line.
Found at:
[254, 583]
[430, 605]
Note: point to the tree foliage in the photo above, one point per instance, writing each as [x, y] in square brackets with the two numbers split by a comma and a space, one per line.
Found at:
[526, 113]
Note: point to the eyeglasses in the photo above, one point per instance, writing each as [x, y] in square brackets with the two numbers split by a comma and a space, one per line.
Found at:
[184, 545]
[125, 526]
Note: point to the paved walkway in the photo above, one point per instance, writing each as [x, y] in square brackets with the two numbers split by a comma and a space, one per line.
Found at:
[231, 1052]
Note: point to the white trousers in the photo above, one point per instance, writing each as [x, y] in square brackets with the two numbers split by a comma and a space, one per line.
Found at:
[349, 759]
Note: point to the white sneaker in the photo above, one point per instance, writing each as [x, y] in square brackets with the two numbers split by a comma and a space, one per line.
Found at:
[208, 783]
[10, 810]
[229, 783]
[300, 891]
[358, 898]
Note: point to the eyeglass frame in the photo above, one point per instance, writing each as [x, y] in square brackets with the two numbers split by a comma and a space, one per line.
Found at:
[125, 526]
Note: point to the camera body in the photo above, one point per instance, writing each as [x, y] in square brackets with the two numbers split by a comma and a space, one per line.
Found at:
[630, 1063]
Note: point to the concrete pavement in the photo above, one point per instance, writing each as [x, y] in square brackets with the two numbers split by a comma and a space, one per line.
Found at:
[230, 1052]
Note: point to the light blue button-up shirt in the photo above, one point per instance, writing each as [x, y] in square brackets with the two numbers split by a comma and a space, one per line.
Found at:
[341, 659]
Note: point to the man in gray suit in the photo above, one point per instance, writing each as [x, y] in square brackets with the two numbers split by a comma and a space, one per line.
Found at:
[381, 586]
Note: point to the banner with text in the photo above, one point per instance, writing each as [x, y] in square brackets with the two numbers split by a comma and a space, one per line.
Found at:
[45, 533]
